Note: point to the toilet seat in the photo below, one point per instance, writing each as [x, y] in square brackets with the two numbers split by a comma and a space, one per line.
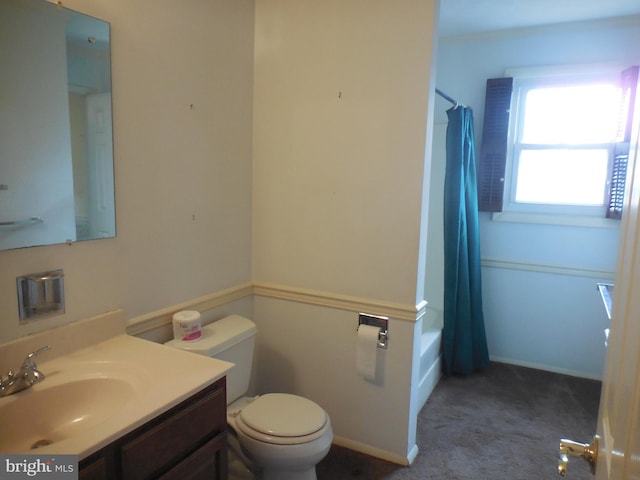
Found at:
[282, 419]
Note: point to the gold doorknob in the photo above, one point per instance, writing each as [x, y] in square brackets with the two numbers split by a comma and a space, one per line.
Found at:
[586, 451]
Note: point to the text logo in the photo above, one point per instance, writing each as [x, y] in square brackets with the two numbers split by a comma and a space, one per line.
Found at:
[50, 467]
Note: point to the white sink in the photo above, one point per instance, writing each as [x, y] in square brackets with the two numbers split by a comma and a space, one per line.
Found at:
[94, 395]
[70, 401]
[44, 416]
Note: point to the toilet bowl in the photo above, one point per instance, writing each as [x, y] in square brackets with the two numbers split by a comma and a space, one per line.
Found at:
[286, 435]
[283, 436]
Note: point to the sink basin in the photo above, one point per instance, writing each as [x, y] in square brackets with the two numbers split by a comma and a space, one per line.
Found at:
[41, 416]
[73, 398]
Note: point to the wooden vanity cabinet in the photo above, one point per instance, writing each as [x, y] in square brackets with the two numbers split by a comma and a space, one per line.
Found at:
[188, 442]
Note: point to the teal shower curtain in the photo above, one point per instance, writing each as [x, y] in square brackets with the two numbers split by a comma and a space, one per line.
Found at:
[464, 343]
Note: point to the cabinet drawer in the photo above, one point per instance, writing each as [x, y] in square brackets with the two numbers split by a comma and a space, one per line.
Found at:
[173, 436]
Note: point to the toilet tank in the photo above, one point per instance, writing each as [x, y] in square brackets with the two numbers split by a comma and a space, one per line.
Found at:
[230, 339]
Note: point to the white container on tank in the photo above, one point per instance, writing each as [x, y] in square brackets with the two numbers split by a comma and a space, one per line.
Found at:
[187, 326]
[231, 339]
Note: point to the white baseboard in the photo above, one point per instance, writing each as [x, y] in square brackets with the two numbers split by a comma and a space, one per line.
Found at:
[377, 452]
[547, 368]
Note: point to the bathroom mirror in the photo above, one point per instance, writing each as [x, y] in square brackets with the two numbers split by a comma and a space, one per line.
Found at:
[56, 141]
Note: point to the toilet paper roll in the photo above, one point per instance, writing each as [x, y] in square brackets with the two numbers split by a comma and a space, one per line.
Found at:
[367, 351]
[187, 326]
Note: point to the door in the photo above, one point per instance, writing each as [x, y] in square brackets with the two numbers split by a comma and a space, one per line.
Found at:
[618, 433]
[100, 166]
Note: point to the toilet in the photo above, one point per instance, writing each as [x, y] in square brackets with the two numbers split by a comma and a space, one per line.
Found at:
[281, 436]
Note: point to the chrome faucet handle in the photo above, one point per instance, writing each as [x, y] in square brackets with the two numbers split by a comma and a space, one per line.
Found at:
[10, 378]
[27, 376]
[29, 362]
[29, 370]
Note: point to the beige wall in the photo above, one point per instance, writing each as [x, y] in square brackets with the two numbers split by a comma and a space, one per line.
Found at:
[171, 162]
[341, 96]
[340, 103]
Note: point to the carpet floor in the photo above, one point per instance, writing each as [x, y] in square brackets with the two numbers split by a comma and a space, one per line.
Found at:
[502, 423]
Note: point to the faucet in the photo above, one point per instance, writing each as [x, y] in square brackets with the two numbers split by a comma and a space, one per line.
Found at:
[27, 376]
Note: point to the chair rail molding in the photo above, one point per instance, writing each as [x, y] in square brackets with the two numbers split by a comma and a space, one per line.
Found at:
[159, 318]
[546, 268]
[152, 320]
[396, 311]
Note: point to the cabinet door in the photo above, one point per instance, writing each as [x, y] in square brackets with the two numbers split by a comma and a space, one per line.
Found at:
[96, 470]
[209, 462]
[175, 435]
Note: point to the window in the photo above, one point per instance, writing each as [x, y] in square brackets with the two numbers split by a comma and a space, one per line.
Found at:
[562, 145]
[551, 143]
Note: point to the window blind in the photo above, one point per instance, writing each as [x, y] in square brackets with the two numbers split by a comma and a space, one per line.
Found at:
[493, 153]
[617, 183]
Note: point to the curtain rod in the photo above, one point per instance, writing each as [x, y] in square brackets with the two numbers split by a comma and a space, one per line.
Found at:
[447, 97]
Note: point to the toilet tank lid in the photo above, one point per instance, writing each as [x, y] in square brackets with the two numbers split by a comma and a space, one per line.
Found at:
[219, 336]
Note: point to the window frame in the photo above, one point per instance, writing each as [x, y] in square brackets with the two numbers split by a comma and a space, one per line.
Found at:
[523, 81]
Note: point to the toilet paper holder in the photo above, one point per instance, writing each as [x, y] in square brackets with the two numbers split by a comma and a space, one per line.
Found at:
[376, 321]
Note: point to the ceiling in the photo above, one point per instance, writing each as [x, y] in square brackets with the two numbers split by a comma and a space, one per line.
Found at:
[461, 17]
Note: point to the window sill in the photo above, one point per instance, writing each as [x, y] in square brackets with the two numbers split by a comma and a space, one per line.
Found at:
[555, 219]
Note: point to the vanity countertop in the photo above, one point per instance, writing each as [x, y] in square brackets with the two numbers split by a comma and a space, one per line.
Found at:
[144, 378]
